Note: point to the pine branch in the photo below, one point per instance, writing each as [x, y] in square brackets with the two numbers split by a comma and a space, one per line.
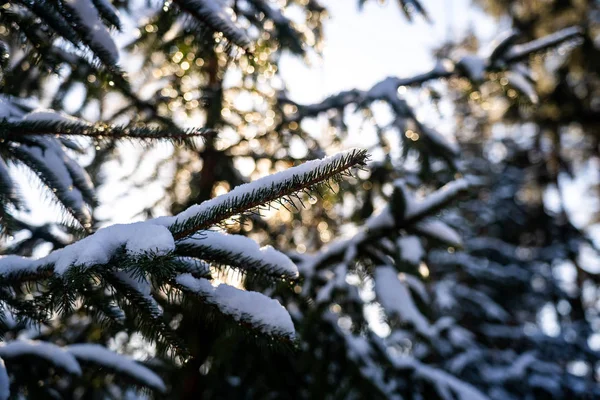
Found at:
[238, 252]
[247, 197]
[100, 356]
[108, 13]
[402, 212]
[12, 130]
[144, 314]
[85, 20]
[8, 191]
[49, 166]
[520, 52]
[52, 353]
[48, 13]
[251, 309]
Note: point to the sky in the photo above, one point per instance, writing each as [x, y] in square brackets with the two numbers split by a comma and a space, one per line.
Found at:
[363, 47]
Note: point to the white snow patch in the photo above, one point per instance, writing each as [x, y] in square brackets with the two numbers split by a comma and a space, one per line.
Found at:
[51, 352]
[89, 17]
[396, 299]
[439, 197]
[102, 356]
[12, 264]
[411, 249]
[245, 248]
[439, 230]
[138, 238]
[265, 313]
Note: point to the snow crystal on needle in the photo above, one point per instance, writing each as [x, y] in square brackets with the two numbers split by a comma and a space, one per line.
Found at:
[100, 355]
[265, 313]
[88, 15]
[51, 352]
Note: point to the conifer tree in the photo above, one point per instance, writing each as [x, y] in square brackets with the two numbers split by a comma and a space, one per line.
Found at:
[58, 311]
[460, 290]
[430, 274]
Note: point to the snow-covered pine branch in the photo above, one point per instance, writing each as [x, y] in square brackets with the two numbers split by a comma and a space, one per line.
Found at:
[108, 12]
[100, 356]
[39, 140]
[409, 214]
[263, 191]
[69, 358]
[239, 252]
[127, 260]
[15, 130]
[252, 309]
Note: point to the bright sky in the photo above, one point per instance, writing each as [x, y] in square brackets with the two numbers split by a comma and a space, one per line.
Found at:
[363, 47]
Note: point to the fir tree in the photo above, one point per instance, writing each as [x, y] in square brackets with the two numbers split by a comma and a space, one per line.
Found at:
[428, 281]
[124, 277]
[459, 290]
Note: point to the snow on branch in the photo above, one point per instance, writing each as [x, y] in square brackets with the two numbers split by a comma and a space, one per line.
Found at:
[212, 13]
[444, 383]
[438, 230]
[521, 51]
[52, 353]
[65, 178]
[396, 299]
[86, 21]
[136, 239]
[108, 12]
[101, 356]
[157, 237]
[39, 139]
[50, 15]
[438, 199]
[403, 211]
[238, 252]
[246, 307]
[263, 191]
